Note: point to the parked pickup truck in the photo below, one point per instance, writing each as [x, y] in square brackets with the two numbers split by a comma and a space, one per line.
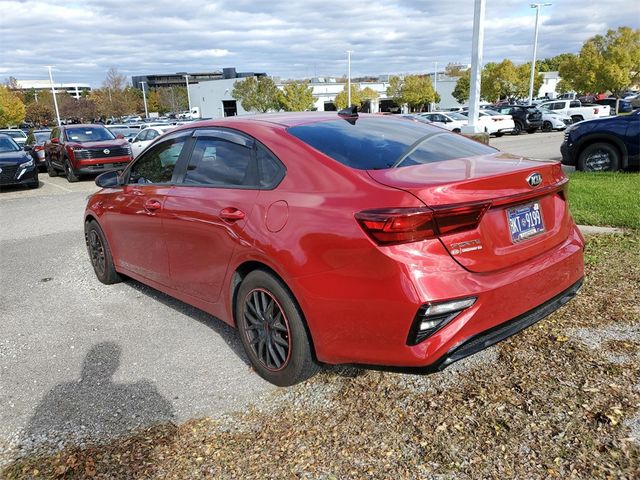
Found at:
[576, 110]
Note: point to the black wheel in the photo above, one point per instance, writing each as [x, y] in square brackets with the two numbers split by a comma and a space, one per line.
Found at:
[531, 130]
[576, 118]
[599, 157]
[35, 183]
[499, 134]
[273, 331]
[456, 130]
[69, 173]
[546, 126]
[50, 169]
[517, 128]
[100, 254]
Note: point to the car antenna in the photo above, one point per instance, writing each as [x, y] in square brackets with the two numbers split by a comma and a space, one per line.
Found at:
[350, 114]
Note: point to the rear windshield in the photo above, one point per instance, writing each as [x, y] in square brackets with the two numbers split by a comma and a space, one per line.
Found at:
[88, 134]
[15, 133]
[378, 143]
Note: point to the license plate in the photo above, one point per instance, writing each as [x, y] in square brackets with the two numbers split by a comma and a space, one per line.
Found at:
[525, 221]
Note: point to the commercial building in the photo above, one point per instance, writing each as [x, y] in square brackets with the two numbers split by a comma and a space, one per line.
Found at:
[74, 89]
[159, 80]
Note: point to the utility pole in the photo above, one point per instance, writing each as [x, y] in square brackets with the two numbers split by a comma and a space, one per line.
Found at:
[186, 77]
[537, 6]
[144, 97]
[349, 78]
[53, 90]
[476, 66]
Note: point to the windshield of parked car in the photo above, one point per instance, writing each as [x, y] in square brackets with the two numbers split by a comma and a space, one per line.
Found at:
[7, 144]
[15, 133]
[124, 131]
[457, 116]
[378, 143]
[89, 134]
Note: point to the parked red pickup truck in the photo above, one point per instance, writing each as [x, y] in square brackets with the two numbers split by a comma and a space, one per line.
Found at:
[85, 149]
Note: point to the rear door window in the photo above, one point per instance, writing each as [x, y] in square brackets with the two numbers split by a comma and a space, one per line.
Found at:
[575, 104]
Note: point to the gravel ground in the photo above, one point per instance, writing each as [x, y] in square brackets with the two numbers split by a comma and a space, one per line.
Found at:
[551, 402]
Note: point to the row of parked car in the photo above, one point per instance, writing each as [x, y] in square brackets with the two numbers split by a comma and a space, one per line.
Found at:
[72, 150]
[515, 119]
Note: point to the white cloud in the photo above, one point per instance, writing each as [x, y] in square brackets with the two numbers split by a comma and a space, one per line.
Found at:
[289, 39]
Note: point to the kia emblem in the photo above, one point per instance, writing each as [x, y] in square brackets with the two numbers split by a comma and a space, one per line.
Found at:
[534, 179]
[106, 151]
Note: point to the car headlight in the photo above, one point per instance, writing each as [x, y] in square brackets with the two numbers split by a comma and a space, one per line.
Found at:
[27, 164]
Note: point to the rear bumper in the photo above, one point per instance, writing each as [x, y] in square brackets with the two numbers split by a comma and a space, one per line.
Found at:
[371, 327]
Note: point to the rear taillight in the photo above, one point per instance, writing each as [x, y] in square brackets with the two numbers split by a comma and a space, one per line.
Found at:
[38, 148]
[404, 225]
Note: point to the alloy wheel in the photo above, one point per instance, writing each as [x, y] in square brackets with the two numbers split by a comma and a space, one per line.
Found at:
[267, 329]
[96, 250]
[598, 161]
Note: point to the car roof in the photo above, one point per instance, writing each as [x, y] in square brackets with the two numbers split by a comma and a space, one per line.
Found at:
[286, 119]
[83, 125]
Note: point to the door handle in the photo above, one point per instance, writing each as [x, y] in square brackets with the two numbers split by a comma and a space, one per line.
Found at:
[231, 214]
[152, 205]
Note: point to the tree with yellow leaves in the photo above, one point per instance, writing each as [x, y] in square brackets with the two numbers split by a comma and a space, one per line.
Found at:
[12, 110]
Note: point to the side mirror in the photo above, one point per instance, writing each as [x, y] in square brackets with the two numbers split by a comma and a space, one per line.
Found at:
[28, 148]
[108, 179]
[119, 136]
[55, 140]
[130, 139]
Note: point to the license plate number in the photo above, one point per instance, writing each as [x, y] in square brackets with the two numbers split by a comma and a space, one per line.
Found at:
[525, 221]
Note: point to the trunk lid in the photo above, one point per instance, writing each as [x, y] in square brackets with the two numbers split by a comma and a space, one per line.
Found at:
[499, 180]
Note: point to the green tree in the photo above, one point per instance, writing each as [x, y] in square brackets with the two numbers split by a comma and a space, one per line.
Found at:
[414, 90]
[461, 90]
[608, 62]
[342, 99]
[296, 97]
[257, 94]
[12, 110]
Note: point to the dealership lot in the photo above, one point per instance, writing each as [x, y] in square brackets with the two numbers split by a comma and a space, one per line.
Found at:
[152, 358]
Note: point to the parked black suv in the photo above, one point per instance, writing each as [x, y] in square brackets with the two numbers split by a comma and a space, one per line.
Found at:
[525, 117]
[603, 144]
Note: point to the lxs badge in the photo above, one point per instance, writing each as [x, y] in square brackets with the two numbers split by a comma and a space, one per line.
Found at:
[463, 247]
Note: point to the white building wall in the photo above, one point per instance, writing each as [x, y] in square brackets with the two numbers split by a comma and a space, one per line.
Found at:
[549, 85]
[208, 97]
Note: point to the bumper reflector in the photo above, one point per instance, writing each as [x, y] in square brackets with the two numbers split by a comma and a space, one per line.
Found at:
[432, 317]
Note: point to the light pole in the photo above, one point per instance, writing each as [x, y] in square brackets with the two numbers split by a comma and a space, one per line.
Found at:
[186, 77]
[53, 90]
[537, 6]
[476, 66]
[349, 78]
[144, 97]
[435, 84]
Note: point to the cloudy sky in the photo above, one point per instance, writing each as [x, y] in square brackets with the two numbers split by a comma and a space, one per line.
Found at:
[290, 38]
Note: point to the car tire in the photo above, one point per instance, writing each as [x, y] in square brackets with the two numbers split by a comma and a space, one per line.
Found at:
[599, 157]
[499, 134]
[547, 126]
[100, 254]
[532, 130]
[456, 130]
[35, 183]
[576, 118]
[69, 173]
[517, 128]
[51, 171]
[272, 330]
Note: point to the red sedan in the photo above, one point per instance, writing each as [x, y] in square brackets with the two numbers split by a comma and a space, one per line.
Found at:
[338, 238]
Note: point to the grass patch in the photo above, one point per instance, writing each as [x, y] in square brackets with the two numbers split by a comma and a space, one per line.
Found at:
[547, 406]
[606, 199]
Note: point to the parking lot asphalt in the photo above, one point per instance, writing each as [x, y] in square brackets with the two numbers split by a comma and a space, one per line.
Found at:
[87, 360]
[81, 359]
